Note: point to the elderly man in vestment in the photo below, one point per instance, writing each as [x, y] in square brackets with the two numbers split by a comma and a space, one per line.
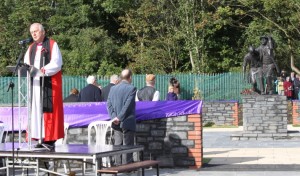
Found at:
[47, 117]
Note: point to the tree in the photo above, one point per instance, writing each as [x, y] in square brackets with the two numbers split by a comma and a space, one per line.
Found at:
[15, 19]
[279, 19]
[76, 25]
[153, 45]
[157, 36]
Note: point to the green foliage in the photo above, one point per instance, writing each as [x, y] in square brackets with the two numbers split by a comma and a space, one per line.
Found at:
[113, 6]
[174, 36]
[83, 45]
[209, 124]
[279, 19]
[108, 69]
[197, 94]
[206, 160]
[88, 49]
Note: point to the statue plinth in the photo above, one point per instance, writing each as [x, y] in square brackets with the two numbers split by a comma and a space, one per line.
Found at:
[264, 117]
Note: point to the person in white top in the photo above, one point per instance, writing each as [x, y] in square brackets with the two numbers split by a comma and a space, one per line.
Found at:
[148, 93]
[46, 99]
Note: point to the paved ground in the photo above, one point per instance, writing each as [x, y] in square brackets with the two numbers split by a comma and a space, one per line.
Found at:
[228, 157]
[242, 158]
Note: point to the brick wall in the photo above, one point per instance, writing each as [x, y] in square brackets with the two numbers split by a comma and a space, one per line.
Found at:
[175, 141]
[196, 135]
[296, 113]
[220, 112]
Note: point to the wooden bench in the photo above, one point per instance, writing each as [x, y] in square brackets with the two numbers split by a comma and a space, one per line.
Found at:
[131, 167]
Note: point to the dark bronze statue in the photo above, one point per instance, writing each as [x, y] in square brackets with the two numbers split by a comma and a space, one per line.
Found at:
[267, 57]
[255, 70]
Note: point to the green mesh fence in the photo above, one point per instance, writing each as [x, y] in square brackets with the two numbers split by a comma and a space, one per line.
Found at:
[221, 86]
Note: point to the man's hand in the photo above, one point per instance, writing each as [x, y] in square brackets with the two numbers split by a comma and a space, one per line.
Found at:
[43, 70]
[116, 121]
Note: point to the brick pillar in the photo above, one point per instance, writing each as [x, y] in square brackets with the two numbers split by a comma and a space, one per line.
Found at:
[196, 136]
[295, 113]
[235, 115]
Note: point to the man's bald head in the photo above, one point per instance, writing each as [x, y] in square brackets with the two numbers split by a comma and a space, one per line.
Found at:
[126, 74]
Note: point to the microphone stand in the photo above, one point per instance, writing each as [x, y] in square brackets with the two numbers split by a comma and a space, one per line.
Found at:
[11, 86]
[40, 142]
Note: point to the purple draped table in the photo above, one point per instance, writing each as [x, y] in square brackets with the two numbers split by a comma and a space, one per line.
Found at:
[82, 114]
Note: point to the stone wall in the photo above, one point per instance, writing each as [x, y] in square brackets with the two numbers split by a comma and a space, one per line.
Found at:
[263, 117]
[220, 112]
[175, 141]
[296, 112]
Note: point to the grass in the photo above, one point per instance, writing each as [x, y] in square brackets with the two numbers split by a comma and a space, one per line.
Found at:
[206, 160]
[221, 126]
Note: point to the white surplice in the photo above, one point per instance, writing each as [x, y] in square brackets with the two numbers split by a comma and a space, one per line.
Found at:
[51, 68]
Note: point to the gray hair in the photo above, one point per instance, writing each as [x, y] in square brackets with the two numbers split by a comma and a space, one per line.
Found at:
[41, 27]
[91, 79]
[114, 78]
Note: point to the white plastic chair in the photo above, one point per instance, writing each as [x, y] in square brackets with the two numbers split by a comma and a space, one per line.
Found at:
[101, 129]
[63, 140]
[2, 127]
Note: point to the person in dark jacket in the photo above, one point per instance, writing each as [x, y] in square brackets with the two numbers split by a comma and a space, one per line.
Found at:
[114, 79]
[148, 93]
[176, 86]
[171, 96]
[121, 109]
[90, 93]
[73, 97]
[296, 86]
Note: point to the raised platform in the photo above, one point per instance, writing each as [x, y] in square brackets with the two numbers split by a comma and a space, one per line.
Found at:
[264, 118]
[81, 152]
[290, 135]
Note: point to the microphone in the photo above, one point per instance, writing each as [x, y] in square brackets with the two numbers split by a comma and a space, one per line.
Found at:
[22, 42]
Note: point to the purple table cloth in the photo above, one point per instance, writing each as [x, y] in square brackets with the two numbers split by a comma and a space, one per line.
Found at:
[82, 114]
